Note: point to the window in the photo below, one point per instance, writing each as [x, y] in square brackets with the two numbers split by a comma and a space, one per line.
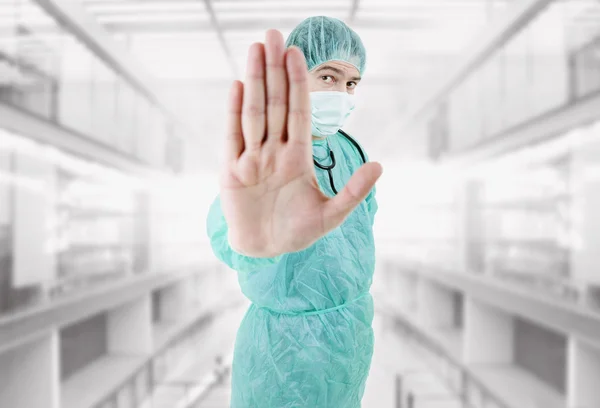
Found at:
[586, 69]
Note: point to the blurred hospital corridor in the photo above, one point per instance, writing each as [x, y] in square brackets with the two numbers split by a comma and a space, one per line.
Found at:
[476, 254]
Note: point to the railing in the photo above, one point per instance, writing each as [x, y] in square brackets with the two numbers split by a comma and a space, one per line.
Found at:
[217, 379]
[471, 391]
[140, 384]
[563, 291]
[411, 400]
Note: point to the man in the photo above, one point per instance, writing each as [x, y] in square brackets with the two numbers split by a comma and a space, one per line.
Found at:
[303, 251]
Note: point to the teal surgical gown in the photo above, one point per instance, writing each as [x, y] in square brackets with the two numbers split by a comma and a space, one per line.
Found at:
[307, 339]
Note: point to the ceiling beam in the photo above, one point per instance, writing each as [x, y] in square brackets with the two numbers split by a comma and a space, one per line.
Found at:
[354, 10]
[250, 25]
[276, 3]
[222, 40]
[140, 9]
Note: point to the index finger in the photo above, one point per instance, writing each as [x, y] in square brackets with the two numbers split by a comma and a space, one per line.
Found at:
[253, 110]
[299, 112]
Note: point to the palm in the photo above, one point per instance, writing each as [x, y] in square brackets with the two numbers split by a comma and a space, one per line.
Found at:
[269, 193]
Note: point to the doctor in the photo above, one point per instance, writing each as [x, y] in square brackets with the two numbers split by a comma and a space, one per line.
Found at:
[294, 218]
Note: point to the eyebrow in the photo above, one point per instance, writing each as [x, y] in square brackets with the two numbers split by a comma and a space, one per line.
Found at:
[336, 70]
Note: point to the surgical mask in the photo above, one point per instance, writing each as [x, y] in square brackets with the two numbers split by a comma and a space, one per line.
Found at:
[329, 111]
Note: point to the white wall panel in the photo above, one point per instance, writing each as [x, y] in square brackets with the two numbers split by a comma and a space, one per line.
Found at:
[34, 212]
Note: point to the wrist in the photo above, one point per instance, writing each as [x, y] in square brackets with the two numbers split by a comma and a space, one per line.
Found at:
[251, 251]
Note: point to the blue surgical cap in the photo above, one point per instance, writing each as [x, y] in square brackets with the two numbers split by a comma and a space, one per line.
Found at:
[324, 39]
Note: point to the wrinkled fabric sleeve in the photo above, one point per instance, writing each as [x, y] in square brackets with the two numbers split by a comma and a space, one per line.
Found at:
[216, 228]
[371, 200]
[372, 205]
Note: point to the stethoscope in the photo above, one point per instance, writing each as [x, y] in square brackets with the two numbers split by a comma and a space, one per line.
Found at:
[332, 156]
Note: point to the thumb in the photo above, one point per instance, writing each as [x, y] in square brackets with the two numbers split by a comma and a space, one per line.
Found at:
[358, 187]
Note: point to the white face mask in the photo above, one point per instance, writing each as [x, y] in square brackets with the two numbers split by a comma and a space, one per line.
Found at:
[329, 111]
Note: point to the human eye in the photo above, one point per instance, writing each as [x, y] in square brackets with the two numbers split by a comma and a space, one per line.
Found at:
[351, 85]
[327, 78]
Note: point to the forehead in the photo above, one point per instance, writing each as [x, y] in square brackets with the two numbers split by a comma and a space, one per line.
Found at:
[349, 69]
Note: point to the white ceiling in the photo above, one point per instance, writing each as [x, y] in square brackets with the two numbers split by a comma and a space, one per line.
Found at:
[209, 39]
[195, 47]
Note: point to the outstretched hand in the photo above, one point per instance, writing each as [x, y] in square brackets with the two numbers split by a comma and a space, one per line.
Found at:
[269, 192]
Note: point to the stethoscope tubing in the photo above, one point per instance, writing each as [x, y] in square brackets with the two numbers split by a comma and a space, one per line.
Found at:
[333, 162]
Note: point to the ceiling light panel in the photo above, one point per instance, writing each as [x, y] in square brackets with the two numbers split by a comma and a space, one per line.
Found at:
[271, 12]
[274, 15]
[397, 42]
[432, 4]
[207, 37]
[440, 16]
[192, 44]
[436, 12]
[138, 7]
[232, 6]
[243, 39]
[239, 43]
[154, 18]
[182, 57]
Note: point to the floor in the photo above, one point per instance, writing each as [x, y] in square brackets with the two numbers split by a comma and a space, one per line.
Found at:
[195, 376]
